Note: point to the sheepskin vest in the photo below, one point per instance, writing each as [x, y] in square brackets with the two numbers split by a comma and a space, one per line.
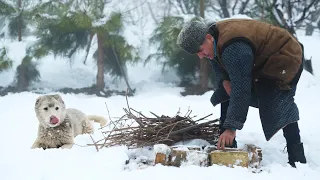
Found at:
[278, 55]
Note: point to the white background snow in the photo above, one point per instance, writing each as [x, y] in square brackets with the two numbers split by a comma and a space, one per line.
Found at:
[154, 93]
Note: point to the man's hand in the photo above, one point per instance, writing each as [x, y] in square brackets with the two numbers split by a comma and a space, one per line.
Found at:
[226, 138]
[227, 86]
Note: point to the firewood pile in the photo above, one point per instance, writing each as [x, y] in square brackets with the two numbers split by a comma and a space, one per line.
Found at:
[134, 129]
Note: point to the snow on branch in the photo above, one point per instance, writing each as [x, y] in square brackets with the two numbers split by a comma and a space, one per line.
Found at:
[308, 9]
[228, 8]
[291, 14]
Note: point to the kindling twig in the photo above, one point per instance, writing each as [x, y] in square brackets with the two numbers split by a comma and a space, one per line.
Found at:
[137, 130]
[95, 144]
[168, 130]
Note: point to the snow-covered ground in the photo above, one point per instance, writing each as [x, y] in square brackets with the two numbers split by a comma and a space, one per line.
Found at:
[154, 93]
[19, 129]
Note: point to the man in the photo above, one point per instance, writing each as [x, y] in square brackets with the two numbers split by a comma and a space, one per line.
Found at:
[256, 64]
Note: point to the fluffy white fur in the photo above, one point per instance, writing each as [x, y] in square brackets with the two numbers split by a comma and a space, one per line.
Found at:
[71, 122]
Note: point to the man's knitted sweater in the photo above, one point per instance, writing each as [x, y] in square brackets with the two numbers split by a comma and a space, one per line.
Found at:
[277, 108]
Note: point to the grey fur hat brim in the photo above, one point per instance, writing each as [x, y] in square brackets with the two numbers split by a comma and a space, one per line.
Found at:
[192, 36]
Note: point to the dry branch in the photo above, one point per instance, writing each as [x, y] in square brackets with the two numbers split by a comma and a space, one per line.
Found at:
[147, 131]
[95, 144]
[138, 130]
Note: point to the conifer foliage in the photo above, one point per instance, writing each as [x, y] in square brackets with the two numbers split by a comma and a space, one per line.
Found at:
[65, 27]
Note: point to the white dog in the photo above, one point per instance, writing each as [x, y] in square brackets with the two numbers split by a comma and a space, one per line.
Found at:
[59, 125]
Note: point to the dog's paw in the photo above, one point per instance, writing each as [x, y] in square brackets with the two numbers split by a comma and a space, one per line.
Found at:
[67, 146]
[35, 145]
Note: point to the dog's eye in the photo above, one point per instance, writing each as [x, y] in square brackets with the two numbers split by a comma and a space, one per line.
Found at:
[45, 108]
[57, 108]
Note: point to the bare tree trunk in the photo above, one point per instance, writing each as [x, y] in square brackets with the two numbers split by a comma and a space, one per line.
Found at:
[19, 24]
[22, 81]
[100, 63]
[122, 71]
[262, 12]
[204, 77]
[88, 48]
[224, 8]
[152, 14]
[310, 28]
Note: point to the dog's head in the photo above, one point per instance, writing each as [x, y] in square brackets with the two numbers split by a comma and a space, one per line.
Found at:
[50, 110]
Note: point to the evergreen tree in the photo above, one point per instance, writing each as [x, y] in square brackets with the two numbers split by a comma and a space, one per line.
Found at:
[5, 61]
[165, 36]
[15, 14]
[65, 27]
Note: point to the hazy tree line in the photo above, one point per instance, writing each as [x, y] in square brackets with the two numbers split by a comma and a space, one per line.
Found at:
[64, 27]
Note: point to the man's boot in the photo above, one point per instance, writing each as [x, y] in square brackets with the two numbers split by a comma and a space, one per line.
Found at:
[294, 145]
[296, 154]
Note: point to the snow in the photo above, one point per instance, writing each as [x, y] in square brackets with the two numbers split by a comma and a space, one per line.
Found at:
[20, 129]
[195, 158]
[237, 16]
[156, 93]
[162, 148]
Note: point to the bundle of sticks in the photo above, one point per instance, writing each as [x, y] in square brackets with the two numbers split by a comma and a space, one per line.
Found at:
[135, 130]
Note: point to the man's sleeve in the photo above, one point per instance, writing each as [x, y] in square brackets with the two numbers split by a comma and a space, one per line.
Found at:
[238, 60]
[220, 74]
[219, 94]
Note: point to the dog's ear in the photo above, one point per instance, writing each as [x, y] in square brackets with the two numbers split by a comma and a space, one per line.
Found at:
[38, 101]
[58, 97]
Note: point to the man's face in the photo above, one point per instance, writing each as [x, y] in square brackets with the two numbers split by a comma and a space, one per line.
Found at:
[206, 49]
